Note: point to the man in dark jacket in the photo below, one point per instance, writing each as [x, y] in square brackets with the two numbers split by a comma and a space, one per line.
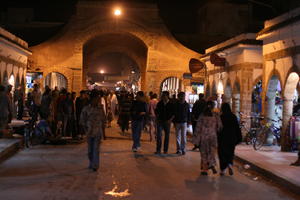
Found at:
[138, 112]
[197, 110]
[163, 114]
[181, 118]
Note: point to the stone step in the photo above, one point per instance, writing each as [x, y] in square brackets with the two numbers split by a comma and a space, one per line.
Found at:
[8, 147]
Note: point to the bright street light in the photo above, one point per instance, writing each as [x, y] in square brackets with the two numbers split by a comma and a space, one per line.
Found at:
[101, 71]
[117, 12]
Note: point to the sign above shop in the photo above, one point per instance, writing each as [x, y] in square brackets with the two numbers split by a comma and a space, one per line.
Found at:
[196, 65]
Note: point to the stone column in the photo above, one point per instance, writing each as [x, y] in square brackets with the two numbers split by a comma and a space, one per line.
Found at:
[270, 107]
[236, 103]
[287, 113]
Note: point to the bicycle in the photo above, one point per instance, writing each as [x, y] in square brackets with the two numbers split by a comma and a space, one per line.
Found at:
[263, 133]
[250, 132]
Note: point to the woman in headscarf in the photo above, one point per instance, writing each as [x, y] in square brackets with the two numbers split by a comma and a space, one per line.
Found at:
[208, 124]
[228, 138]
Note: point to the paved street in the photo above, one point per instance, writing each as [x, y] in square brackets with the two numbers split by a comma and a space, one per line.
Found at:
[60, 172]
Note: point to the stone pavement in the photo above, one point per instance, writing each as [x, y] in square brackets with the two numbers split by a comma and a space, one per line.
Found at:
[269, 161]
[273, 164]
[60, 172]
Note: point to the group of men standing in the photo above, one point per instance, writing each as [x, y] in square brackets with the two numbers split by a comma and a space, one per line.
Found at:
[162, 114]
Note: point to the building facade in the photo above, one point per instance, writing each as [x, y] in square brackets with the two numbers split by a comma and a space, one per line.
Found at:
[281, 66]
[259, 73]
[14, 54]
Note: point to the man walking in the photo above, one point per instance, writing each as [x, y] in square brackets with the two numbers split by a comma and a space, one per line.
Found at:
[182, 117]
[163, 113]
[91, 119]
[138, 113]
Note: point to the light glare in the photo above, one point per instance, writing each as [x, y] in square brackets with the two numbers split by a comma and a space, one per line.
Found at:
[117, 12]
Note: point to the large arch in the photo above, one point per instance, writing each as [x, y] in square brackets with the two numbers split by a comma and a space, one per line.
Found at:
[124, 43]
[159, 53]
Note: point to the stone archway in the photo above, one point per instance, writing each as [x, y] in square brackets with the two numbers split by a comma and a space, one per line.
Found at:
[127, 45]
[157, 54]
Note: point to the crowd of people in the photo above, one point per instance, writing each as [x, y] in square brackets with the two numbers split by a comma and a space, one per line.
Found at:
[93, 111]
[215, 131]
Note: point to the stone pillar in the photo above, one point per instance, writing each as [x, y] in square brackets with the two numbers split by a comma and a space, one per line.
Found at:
[236, 104]
[270, 107]
[287, 113]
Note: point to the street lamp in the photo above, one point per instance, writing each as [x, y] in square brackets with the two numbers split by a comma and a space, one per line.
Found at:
[117, 12]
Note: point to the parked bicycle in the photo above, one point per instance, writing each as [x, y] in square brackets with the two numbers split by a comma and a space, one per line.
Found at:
[262, 135]
[250, 131]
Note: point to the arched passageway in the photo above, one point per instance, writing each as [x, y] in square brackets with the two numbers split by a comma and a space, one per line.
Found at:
[171, 84]
[115, 59]
[55, 79]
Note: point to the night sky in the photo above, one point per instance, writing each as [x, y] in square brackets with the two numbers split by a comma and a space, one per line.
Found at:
[180, 16]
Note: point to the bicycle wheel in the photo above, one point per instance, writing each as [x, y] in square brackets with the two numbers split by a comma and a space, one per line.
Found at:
[260, 139]
[248, 139]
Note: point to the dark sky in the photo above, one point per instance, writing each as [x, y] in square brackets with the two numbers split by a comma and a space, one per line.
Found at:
[180, 16]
